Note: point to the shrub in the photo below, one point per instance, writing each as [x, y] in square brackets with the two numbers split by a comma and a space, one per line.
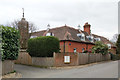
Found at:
[10, 43]
[100, 48]
[43, 46]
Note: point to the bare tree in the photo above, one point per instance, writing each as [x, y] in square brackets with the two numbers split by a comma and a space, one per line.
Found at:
[32, 27]
[14, 24]
[115, 37]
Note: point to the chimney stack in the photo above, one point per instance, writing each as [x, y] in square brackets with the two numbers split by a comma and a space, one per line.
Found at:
[87, 28]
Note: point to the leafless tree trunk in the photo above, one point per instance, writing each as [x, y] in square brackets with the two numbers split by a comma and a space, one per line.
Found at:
[32, 27]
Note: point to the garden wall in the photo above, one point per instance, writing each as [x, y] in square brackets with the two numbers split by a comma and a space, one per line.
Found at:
[43, 61]
[24, 58]
[59, 59]
[7, 66]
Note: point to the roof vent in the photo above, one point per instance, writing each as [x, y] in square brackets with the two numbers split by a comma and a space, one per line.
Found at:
[79, 28]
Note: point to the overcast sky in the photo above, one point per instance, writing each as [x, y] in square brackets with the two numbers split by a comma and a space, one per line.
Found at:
[101, 14]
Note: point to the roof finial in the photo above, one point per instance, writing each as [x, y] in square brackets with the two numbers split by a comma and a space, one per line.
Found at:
[65, 25]
[79, 28]
[48, 27]
[23, 12]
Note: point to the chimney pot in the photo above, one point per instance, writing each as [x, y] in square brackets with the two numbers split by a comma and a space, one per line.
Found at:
[87, 28]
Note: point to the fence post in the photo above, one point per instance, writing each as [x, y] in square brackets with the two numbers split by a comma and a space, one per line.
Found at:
[54, 58]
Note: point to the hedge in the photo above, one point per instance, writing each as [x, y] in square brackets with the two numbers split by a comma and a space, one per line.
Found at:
[115, 56]
[10, 43]
[43, 46]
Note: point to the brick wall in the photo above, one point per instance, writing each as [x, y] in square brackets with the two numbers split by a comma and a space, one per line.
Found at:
[69, 46]
[7, 66]
[113, 50]
[59, 59]
[43, 61]
[24, 58]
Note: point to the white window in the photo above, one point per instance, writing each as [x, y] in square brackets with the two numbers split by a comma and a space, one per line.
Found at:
[75, 50]
[81, 36]
[109, 46]
[90, 38]
[33, 36]
[49, 34]
[97, 39]
[66, 59]
[78, 34]
[83, 49]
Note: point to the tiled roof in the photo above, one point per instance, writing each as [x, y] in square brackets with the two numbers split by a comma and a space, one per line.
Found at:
[69, 33]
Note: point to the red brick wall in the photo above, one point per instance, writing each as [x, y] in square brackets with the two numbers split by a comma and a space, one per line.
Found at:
[59, 59]
[69, 46]
[87, 29]
[113, 50]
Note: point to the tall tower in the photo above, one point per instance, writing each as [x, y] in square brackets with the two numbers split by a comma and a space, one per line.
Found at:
[23, 27]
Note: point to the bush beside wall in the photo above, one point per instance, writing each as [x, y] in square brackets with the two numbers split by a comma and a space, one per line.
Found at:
[10, 43]
[43, 46]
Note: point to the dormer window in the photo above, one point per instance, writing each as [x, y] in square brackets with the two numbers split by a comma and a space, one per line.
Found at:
[97, 39]
[90, 38]
[109, 46]
[33, 36]
[49, 34]
[81, 36]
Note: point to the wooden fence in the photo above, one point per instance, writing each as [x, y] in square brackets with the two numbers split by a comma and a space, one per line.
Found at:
[58, 59]
[85, 58]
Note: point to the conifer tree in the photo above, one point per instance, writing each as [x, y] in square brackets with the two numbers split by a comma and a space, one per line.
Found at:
[118, 44]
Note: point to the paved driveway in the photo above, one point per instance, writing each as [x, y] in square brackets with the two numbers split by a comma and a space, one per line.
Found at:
[103, 70]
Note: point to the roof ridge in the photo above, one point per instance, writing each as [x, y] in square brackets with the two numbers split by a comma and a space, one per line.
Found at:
[100, 36]
[57, 28]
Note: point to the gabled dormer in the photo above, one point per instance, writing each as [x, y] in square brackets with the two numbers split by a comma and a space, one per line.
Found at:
[81, 36]
[90, 38]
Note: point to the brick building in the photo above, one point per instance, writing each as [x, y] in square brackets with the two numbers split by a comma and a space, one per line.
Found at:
[75, 40]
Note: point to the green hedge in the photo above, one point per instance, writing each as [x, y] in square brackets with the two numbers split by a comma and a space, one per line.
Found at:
[43, 46]
[115, 56]
[10, 43]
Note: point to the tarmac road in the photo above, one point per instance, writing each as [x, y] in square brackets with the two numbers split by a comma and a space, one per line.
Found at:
[102, 70]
